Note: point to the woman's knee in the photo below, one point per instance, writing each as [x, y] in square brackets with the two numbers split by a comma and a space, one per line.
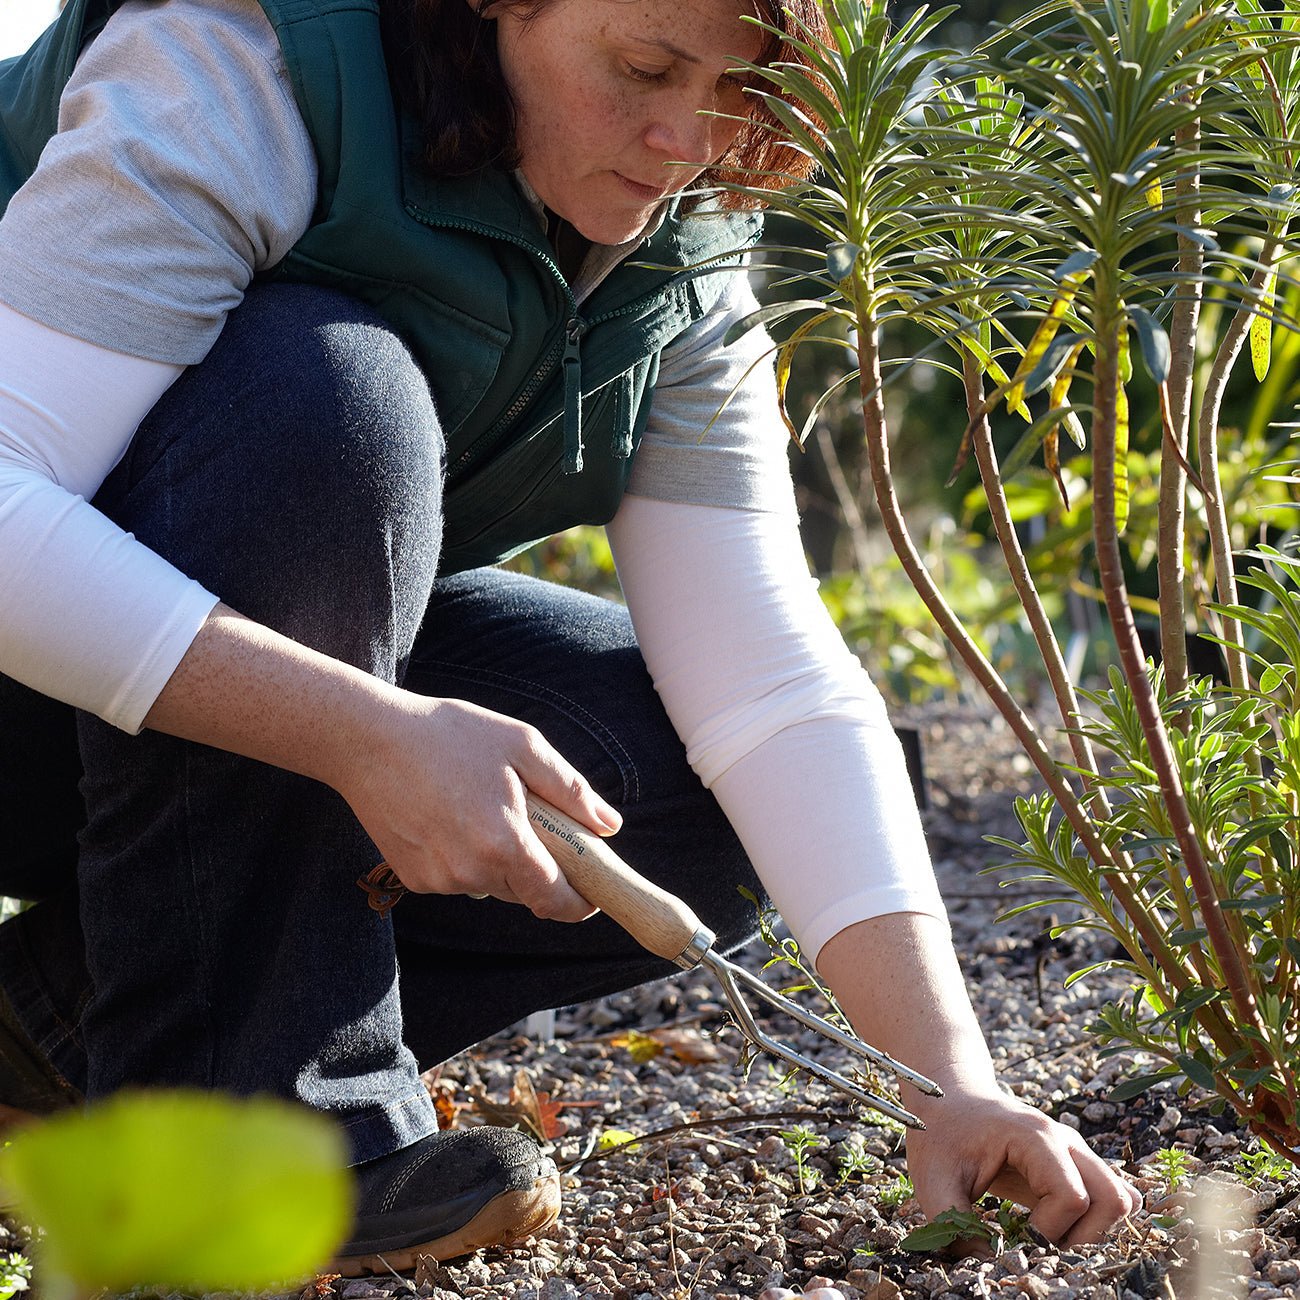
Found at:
[297, 469]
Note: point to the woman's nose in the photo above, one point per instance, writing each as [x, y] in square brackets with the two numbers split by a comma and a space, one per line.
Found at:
[689, 134]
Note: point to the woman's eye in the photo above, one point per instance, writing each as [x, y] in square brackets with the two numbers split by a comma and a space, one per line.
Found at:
[645, 74]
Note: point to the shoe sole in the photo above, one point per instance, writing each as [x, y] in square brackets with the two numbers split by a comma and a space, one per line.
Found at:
[503, 1220]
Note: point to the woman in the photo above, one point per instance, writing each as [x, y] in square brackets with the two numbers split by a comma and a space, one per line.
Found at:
[245, 305]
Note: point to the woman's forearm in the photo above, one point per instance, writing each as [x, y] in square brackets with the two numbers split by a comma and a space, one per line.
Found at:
[244, 688]
[438, 784]
[898, 981]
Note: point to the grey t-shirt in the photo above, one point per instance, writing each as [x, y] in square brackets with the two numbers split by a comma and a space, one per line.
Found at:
[182, 167]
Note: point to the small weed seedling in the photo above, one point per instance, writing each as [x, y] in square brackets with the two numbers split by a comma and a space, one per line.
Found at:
[856, 1162]
[1009, 1226]
[1253, 1167]
[1174, 1166]
[896, 1193]
[802, 1141]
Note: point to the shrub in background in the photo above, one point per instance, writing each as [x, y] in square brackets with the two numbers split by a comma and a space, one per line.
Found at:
[1098, 202]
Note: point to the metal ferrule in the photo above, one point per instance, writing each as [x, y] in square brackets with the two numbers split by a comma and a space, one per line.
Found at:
[695, 951]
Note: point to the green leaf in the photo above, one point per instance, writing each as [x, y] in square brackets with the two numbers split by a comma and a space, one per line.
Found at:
[1158, 16]
[1059, 351]
[1075, 267]
[1181, 938]
[1157, 354]
[1197, 1071]
[1134, 1087]
[943, 1230]
[183, 1189]
[1275, 677]
[841, 259]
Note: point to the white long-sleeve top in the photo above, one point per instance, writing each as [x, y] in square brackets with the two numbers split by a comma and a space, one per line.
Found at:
[119, 261]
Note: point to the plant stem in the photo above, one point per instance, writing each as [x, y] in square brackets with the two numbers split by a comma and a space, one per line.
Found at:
[1109, 322]
[1216, 516]
[876, 431]
[1067, 701]
[1173, 452]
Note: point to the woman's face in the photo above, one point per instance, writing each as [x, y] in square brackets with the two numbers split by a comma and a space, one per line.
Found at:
[614, 96]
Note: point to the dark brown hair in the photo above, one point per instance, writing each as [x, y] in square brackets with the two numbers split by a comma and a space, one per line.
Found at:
[443, 59]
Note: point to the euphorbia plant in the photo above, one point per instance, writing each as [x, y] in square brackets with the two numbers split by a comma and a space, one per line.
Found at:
[1106, 181]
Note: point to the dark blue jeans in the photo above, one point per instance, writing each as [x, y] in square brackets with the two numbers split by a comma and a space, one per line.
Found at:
[200, 923]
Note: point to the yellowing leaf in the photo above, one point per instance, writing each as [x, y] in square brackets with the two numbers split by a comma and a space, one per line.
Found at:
[1121, 440]
[617, 1137]
[1261, 331]
[784, 361]
[1047, 330]
[641, 1047]
[1155, 190]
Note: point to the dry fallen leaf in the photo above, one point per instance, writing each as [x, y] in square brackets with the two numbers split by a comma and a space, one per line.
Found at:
[689, 1045]
[686, 1045]
[535, 1111]
[319, 1287]
[641, 1047]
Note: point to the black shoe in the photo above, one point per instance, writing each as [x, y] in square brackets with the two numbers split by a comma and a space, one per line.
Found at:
[449, 1194]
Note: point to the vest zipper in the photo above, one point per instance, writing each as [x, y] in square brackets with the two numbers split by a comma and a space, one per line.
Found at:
[566, 351]
[572, 362]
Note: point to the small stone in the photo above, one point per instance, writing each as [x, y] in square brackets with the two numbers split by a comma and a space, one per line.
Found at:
[815, 1227]
[362, 1287]
[1013, 1262]
[1035, 1287]
[556, 1288]
[824, 1293]
[879, 1288]
[477, 1273]
[776, 1293]
[1170, 1120]
[1283, 1270]
[1098, 1112]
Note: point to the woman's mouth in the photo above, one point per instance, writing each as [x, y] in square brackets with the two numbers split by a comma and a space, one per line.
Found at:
[644, 193]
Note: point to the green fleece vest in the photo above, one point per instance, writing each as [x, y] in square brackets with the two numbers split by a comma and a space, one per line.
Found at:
[542, 404]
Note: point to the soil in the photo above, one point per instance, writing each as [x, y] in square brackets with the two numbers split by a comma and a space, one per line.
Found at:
[723, 1197]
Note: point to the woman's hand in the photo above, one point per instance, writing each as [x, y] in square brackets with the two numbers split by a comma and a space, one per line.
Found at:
[979, 1140]
[438, 784]
[440, 789]
[899, 982]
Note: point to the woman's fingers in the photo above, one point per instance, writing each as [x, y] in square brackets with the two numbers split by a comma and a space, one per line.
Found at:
[1003, 1147]
[548, 774]
[1073, 1195]
[1110, 1197]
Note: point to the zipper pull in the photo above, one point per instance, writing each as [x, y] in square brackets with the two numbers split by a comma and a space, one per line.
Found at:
[573, 333]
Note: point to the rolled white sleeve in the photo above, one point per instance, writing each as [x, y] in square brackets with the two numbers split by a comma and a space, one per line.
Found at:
[88, 615]
[779, 719]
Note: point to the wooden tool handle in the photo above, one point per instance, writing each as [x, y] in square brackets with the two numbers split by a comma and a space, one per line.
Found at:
[656, 919]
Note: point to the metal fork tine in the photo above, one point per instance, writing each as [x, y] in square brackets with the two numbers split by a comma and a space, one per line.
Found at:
[725, 971]
[792, 1008]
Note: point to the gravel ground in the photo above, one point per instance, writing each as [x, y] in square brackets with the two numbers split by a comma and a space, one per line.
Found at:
[717, 1200]
[722, 1203]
